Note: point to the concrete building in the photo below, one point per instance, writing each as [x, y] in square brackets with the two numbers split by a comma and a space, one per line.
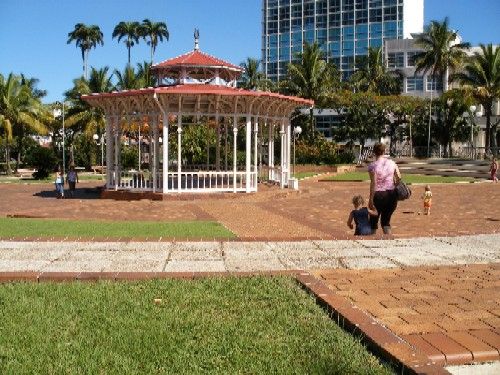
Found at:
[344, 29]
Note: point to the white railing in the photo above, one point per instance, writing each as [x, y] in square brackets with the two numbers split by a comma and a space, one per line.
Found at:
[190, 182]
[275, 174]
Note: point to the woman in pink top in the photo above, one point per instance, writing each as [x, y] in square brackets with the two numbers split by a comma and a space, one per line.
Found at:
[383, 197]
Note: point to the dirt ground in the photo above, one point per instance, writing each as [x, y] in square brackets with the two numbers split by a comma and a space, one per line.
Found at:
[318, 211]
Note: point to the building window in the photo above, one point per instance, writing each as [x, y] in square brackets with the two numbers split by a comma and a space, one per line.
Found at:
[334, 34]
[348, 48]
[390, 30]
[376, 30]
[362, 47]
[414, 84]
[334, 49]
[362, 32]
[411, 59]
[348, 33]
[396, 60]
[434, 84]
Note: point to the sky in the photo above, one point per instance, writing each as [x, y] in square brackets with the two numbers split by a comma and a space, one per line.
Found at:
[33, 33]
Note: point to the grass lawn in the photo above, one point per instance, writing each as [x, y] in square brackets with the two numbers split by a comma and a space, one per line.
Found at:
[301, 175]
[28, 180]
[13, 227]
[408, 178]
[225, 326]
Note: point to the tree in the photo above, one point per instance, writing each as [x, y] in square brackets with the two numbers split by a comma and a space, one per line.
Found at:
[374, 77]
[86, 38]
[253, 78]
[128, 79]
[128, 30]
[311, 78]
[82, 117]
[441, 51]
[18, 109]
[482, 73]
[144, 74]
[155, 31]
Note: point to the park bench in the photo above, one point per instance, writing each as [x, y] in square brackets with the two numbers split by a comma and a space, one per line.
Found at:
[98, 169]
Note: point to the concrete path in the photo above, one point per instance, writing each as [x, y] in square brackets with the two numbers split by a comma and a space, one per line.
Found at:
[68, 256]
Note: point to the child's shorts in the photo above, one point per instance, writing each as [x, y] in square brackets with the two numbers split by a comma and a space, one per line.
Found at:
[427, 204]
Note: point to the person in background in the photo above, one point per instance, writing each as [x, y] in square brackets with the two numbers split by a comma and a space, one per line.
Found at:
[72, 179]
[59, 182]
[384, 174]
[427, 197]
[494, 169]
[361, 217]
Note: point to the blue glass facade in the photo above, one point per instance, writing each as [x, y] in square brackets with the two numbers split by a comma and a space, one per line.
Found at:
[344, 29]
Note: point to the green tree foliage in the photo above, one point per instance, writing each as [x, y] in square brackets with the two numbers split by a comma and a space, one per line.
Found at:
[144, 74]
[441, 52]
[43, 159]
[130, 32]
[20, 111]
[482, 74]
[195, 140]
[85, 151]
[128, 79]
[153, 32]
[311, 78]
[374, 77]
[253, 78]
[85, 38]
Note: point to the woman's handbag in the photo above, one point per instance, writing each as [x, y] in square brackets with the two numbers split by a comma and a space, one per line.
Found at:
[403, 191]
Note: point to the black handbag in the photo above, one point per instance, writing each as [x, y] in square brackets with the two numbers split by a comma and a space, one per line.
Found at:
[403, 191]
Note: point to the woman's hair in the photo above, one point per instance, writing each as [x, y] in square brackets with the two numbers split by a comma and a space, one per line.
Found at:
[379, 149]
[358, 200]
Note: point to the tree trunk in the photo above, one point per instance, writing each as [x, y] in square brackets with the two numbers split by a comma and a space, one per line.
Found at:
[85, 64]
[128, 55]
[7, 157]
[151, 53]
[312, 134]
[83, 60]
[445, 80]
[487, 109]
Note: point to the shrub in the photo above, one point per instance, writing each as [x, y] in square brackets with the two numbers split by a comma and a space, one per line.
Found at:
[84, 150]
[321, 151]
[130, 157]
[43, 159]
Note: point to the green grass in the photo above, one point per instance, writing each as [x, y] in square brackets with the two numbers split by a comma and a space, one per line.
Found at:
[408, 178]
[224, 326]
[28, 180]
[14, 227]
[301, 175]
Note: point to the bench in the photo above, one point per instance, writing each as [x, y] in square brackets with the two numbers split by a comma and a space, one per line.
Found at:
[99, 169]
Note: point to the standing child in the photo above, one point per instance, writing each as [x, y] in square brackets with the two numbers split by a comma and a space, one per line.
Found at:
[427, 197]
[361, 217]
[493, 170]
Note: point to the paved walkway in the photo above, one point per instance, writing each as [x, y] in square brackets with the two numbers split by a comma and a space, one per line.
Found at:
[66, 256]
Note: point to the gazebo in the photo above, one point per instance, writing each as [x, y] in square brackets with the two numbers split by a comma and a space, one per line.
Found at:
[193, 86]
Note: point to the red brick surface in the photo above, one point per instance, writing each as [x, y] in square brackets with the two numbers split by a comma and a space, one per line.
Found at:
[449, 313]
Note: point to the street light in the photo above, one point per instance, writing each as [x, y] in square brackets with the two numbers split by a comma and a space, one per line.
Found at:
[472, 112]
[100, 142]
[297, 131]
[57, 112]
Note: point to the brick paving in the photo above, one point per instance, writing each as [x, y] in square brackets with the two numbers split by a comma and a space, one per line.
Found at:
[318, 211]
[449, 313]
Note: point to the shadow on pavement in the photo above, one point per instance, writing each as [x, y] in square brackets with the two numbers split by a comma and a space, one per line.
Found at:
[82, 193]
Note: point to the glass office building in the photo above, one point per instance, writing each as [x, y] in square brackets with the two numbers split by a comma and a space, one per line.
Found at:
[344, 29]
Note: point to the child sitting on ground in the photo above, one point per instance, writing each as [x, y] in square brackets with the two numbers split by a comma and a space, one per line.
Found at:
[361, 217]
[427, 197]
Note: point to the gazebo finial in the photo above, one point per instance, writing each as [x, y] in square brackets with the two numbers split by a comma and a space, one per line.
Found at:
[196, 39]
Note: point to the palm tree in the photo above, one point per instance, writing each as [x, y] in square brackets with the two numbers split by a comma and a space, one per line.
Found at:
[131, 31]
[253, 78]
[128, 79]
[81, 116]
[311, 78]
[144, 74]
[19, 108]
[482, 72]
[374, 77]
[86, 38]
[441, 51]
[155, 31]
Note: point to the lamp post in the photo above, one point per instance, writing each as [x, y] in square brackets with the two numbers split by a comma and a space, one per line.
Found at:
[100, 142]
[297, 131]
[57, 112]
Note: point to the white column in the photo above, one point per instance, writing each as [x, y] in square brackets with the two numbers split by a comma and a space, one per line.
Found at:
[109, 151]
[235, 153]
[248, 152]
[155, 151]
[255, 153]
[270, 151]
[165, 153]
[117, 151]
[282, 154]
[179, 151]
[288, 126]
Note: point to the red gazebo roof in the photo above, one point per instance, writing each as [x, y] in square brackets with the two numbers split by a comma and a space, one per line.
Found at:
[196, 58]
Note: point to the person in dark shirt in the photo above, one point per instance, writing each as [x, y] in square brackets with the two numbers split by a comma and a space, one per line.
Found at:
[361, 217]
